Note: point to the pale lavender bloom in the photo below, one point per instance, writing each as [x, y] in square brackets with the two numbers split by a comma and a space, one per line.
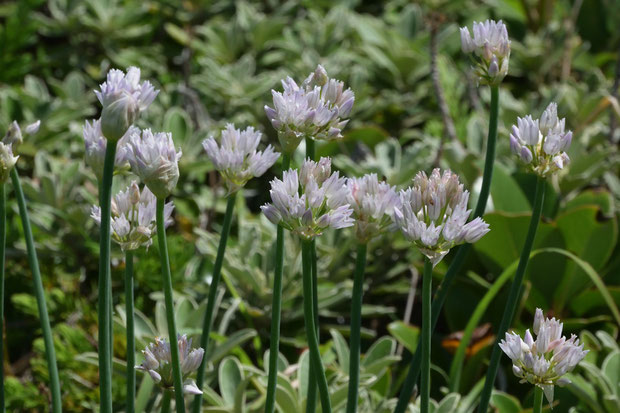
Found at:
[237, 157]
[153, 158]
[33, 128]
[14, 136]
[7, 161]
[543, 361]
[490, 49]
[95, 145]
[373, 205]
[133, 222]
[310, 201]
[433, 215]
[158, 363]
[542, 143]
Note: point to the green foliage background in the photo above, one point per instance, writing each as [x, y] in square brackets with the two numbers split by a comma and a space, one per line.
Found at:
[216, 62]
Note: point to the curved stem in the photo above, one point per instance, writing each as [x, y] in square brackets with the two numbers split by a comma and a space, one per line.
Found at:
[276, 308]
[2, 263]
[172, 330]
[215, 280]
[356, 325]
[40, 295]
[511, 303]
[131, 345]
[455, 266]
[425, 386]
[538, 399]
[313, 344]
[165, 402]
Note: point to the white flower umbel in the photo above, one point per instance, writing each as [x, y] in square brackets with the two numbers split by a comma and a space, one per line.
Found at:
[123, 97]
[373, 205]
[133, 217]
[7, 161]
[489, 49]
[543, 361]
[542, 143]
[157, 363]
[95, 145]
[317, 109]
[236, 158]
[153, 158]
[310, 201]
[433, 215]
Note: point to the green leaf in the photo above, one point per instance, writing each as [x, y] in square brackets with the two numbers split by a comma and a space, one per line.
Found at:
[342, 350]
[384, 347]
[230, 376]
[505, 403]
[506, 194]
[406, 335]
[449, 403]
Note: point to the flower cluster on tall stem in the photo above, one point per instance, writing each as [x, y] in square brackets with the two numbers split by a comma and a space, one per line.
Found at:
[489, 49]
[95, 145]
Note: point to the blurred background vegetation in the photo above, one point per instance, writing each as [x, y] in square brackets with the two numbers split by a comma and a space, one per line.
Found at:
[416, 107]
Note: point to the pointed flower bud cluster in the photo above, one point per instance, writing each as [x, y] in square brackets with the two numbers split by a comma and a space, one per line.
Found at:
[543, 361]
[310, 201]
[317, 108]
[7, 161]
[13, 136]
[157, 363]
[237, 158]
[123, 97]
[490, 50]
[153, 158]
[133, 223]
[433, 215]
[373, 204]
[95, 146]
[542, 143]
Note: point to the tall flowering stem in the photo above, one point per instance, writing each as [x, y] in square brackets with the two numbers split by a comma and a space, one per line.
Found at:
[2, 263]
[165, 401]
[131, 345]
[425, 339]
[40, 295]
[511, 303]
[215, 280]
[538, 399]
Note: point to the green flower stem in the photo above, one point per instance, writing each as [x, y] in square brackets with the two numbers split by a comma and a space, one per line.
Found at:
[172, 329]
[538, 399]
[110, 301]
[356, 325]
[461, 254]
[276, 308]
[215, 280]
[40, 295]
[2, 263]
[165, 402]
[511, 304]
[131, 345]
[425, 338]
[313, 343]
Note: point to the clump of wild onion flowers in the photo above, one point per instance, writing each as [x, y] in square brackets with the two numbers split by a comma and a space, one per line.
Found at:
[433, 214]
[236, 158]
[490, 50]
[543, 361]
[373, 205]
[542, 143]
[316, 109]
[10, 144]
[133, 217]
[157, 363]
[95, 146]
[310, 201]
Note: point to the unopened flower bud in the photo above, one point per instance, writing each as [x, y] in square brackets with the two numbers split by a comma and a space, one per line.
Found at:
[118, 116]
[33, 128]
[13, 136]
[7, 161]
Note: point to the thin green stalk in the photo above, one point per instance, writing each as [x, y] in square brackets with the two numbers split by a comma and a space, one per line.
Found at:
[40, 295]
[165, 402]
[276, 308]
[172, 329]
[455, 266]
[538, 399]
[356, 325]
[313, 343]
[2, 263]
[511, 304]
[215, 280]
[425, 338]
[109, 304]
[131, 345]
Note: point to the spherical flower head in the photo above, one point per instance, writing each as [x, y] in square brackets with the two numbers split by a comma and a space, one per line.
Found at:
[123, 97]
[542, 143]
[310, 201]
[133, 222]
[237, 157]
[7, 161]
[153, 158]
[543, 361]
[489, 49]
[433, 215]
[157, 363]
[95, 146]
[373, 204]
[317, 109]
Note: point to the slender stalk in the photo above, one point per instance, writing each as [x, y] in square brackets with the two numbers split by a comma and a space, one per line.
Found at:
[172, 329]
[455, 266]
[2, 263]
[511, 304]
[313, 343]
[40, 295]
[165, 402]
[131, 345]
[109, 304]
[276, 308]
[356, 325]
[425, 386]
[215, 280]
[538, 399]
